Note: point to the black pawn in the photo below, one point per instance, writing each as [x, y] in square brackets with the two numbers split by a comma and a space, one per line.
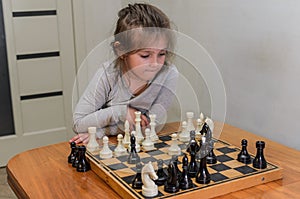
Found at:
[244, 156]
[72, 155]
[162, 176]
[83, 165]
[133, 157]
[172, 184]
[192, 142]
[185, 180]
[175, 162]
[193, 167]
[76, 159]
[203, 176]
[137, 182]
[259, 161]
[211, 157]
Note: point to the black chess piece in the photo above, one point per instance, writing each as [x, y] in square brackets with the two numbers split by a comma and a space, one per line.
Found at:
[133, 157]
[137, 182]
[204, 129]
[192, 167]
[185, 180]
[244, 156]
[72, 155]
[175, 162]
[259, 161]
[172, 184]
[76, 160]
[193, 142]
[162, 176]
[83, 165]
[203, 176]
[211, 157]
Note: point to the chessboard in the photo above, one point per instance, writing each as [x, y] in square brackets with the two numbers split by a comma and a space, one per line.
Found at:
[227, 175]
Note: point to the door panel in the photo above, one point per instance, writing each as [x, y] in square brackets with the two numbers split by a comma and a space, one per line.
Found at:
[40, 49]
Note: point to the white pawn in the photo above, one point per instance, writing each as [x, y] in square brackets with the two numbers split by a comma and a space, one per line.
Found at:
[153, 135]
[190, 124]
[120, 149]
[137, 145]
[126, 140]
[105, 153]
[184, 136]
[92, 145]
[147, 144]
[139, 135]
[174, 149]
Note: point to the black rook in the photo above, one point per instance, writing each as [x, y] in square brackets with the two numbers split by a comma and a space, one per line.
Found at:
[259, 161]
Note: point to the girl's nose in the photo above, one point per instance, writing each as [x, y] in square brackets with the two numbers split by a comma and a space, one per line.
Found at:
[154, 61]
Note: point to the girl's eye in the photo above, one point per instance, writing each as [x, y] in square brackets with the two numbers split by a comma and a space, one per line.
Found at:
[162, 54]
[144, 56]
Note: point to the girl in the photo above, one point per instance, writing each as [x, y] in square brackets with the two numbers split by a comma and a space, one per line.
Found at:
[140, 79]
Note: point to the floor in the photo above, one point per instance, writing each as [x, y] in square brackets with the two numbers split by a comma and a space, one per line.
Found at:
[5, 190]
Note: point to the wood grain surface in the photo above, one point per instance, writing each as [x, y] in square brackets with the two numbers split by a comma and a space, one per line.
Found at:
[45, 173]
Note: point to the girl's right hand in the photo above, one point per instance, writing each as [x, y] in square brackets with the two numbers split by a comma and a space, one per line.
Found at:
[130, 117]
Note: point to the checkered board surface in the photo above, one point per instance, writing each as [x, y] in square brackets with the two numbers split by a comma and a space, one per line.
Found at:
[226, 170]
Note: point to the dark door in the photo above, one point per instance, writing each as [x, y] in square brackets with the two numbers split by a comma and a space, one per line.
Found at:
[6, 115]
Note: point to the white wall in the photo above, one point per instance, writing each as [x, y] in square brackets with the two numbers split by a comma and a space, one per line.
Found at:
[254, 45]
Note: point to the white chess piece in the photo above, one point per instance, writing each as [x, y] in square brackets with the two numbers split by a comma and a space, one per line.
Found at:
[147, 144]
[105, 153]
[153, 135]
[126, 140]
[199, 126]
[184, 136]
[149, 188]
[198, 129]
[120, 149]
[137, 145]
[190, 124]
[139, 135]
[210, 123]
[200, 122]
[201, 117]
[174, 149]
[92, 145]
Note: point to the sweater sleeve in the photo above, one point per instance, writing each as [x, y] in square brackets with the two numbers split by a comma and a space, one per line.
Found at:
[165, 97]
[91, 110]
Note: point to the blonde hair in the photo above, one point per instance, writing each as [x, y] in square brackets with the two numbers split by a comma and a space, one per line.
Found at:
[140, 25]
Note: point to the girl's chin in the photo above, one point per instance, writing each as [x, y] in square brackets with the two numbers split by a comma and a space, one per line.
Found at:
[147, 78]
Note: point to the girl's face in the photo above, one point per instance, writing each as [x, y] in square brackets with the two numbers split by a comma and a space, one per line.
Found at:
[146, 63]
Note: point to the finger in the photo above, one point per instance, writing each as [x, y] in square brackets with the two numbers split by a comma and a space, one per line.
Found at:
[85, 139]
[73, 139]
[145, 120]
[144, 123]
[78, 140]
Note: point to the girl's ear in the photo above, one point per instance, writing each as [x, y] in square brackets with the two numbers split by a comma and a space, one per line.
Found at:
[118, 48]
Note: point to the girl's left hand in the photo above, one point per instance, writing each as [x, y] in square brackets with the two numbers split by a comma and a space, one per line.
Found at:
[144, 121]
[80, 138]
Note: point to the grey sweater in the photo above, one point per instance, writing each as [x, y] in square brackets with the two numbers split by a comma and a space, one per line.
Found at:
[104, 102]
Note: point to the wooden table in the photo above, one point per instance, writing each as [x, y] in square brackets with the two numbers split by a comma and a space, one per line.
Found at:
[45, 173]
